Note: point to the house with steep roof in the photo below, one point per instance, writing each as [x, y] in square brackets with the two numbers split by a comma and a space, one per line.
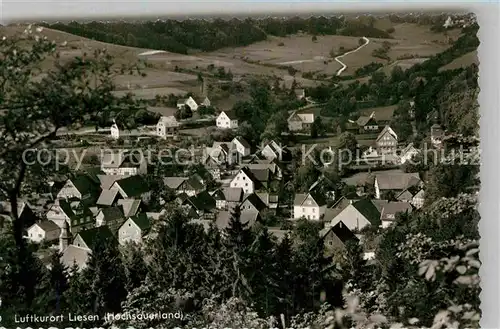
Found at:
[167, 126]
[387, 141]
[124, 162]
[246, 180]
[84, 243]
[272, 151]
[396, 182]
[228, 197]
[337, 236]
[203, 204]
[252, 202]
[358, 215]
[274, 168]
[221, 153]
[270, 200]
[309, 205]
[111, 217]
[408, 153]
[227, 120]
[75, 212]
[242, 146]
[367, 124]
[300, 121]
[130, 207]
[45, 230]
[106, 181]
[134, 229]
[108, 198]
[133, 187]
[389, 209]
[193, 105]
[189, 185]
[80, 187]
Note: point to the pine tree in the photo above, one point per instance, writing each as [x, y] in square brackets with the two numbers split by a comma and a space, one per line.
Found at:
[52, 287]
[135, 266]
[285, 273]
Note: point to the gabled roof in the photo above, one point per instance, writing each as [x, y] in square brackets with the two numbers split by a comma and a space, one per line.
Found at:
[107, 197]
[396, 180]
[301, 197]
[242, 141]
[250, 175]
[404, 196]
[90, 236]
[262, 175]
[230, 114]
[174, 182]
[84, 184]
[255, 201]
[389, 130]
[113, 217]
[133, 186]
[341, 231]
[47, 226]
[78, 213]
[368, 209]
[108, 180]
[364, 120]
[169, 121]
[195, 182]
[224, 217]
[130, 207]
[121, 158]
[392, 208]
[202, 201]
[408, 148]
[142, 221]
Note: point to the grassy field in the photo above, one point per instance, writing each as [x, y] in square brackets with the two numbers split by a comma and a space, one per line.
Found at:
[266, 58]
[381, 113]
[463, 61]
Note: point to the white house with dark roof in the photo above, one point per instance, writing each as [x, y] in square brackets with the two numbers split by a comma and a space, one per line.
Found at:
[193, 105]
[242, 146]
[45, 230]
[226, 120]
[387, 141]
[357, 215]
[311, 206]
[408, 153]
[367, 124]
[134, 229]
[80, 187]
[228, 197]
[124, 162]
[245, 180]
[299, 121]
[389, 209]
[167, 126]
[272, 150]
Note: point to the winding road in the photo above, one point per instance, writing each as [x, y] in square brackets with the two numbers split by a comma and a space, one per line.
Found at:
[337, 59]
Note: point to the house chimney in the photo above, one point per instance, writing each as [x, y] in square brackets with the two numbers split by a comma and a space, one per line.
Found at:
[64, 237]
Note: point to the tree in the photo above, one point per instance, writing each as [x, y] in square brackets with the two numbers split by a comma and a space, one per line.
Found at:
[318, 128]
[34, 111]
[348, 145]
[53, 286]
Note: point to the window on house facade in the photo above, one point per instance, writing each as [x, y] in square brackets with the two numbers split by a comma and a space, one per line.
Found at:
[304, 210]
[314, 209]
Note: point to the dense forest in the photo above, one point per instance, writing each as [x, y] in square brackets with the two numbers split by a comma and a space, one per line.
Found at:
[198, 34]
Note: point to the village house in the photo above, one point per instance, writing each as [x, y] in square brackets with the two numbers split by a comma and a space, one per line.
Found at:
[272, 151]
[227, 120]
[418, 199]
[437, 135]
[134, 229]
[133, 187]
[188, 185]
[115, 131]
[45, 230]
[202, 205]
[367, 124]
[80, 187]
[389, 209]
[193, 105]
[249, 218]
[396, 182]
[300, 121]
[300, 94]
[124, 162]
[221, 153]
[358, 215]
[309, 205]
[270, 200]
[242, 146]
[246, 180]
[74, 212]
[252, 202]
[84, 243]
[387, 141]
[111, 217]
[227, 198]
[167, 126]
[274, 168]
[337, 236]
[408, 153]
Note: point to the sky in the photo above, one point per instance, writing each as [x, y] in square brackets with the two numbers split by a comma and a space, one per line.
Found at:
[24, 10]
